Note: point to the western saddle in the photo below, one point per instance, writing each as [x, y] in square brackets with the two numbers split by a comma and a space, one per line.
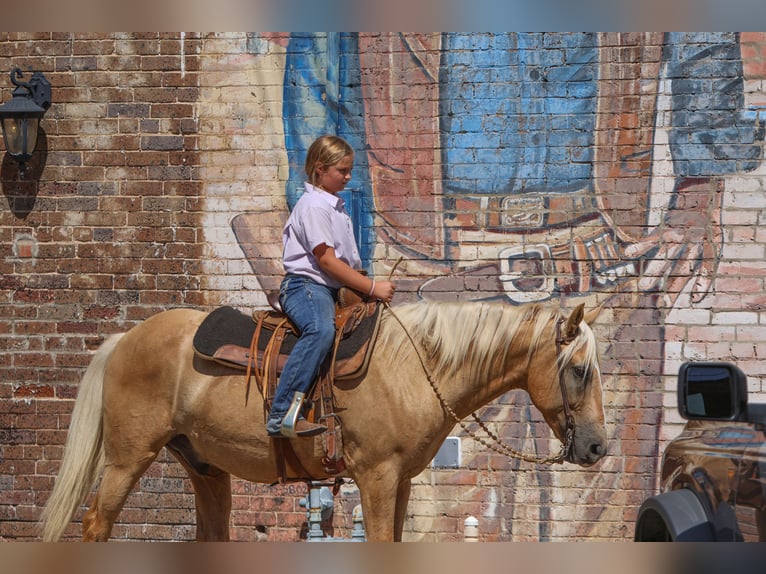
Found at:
[260, 344]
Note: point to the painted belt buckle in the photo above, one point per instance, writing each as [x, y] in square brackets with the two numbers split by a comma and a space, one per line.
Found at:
[527, 272]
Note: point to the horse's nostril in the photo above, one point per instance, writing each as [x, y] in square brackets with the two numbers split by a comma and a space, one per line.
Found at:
[597, 450]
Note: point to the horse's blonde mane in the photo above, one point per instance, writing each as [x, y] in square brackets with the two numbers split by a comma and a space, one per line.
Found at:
[469, 335]
[585, 340]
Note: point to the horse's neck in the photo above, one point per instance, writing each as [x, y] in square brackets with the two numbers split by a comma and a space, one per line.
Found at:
[475, 363]
[467, 392]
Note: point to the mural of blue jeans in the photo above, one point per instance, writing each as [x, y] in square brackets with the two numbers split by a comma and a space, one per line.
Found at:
[711, 134]
[322, 95]
[518, 110]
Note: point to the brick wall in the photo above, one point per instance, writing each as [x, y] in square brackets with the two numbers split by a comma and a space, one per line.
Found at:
[160, 181]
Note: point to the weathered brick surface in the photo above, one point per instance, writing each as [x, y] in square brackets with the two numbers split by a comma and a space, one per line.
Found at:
[156, 143]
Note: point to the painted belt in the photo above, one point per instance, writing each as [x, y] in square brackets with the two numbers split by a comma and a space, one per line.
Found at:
[538, 264]
[535, 272]
[519, 212]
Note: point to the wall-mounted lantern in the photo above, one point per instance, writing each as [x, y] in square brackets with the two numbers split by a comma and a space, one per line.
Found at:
[20, 117]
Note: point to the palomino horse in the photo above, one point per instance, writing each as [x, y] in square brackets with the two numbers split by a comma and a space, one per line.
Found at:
[433, 363]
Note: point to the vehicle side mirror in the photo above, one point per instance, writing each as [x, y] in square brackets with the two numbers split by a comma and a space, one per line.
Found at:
[712, 391]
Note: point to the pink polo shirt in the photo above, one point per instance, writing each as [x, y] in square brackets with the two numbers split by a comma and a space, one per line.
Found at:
[318, 217]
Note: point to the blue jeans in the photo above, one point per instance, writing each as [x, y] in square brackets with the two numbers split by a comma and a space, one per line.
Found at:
[311, 308]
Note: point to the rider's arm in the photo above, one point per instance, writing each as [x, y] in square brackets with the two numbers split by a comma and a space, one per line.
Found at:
[345, 274]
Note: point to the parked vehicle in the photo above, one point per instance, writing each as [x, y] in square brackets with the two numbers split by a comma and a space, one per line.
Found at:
[713, 475]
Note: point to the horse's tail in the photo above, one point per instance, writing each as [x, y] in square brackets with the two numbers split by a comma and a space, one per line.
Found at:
[83, 458]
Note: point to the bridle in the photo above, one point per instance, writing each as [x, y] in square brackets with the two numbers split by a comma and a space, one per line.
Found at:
[570, 421]
[500, 446]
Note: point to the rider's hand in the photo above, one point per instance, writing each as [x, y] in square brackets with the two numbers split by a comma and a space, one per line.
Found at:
[384, 291]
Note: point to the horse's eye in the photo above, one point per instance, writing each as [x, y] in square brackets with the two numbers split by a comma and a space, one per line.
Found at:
[579, 372]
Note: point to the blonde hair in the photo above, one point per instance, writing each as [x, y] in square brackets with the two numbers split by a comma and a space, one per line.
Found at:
[325, 151]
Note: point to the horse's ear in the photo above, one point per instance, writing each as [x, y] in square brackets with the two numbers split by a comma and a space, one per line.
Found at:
[573, 323]
[591, 315]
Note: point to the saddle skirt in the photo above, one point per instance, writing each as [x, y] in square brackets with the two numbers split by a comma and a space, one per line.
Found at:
[228, 336]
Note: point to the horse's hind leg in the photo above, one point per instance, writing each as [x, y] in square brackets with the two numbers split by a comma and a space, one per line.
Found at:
[116, 484]
[212, 497]
[130, 448]
[212, 492]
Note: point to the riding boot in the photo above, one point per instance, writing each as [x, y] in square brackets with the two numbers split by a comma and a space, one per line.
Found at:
[293, 424]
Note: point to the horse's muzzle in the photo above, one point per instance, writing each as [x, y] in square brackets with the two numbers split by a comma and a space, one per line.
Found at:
[587, 453]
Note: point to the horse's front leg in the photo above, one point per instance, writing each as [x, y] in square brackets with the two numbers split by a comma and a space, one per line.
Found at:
[402, 500]
[381, 490]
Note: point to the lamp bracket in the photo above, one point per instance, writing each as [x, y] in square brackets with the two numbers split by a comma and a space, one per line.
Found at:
[39, 87]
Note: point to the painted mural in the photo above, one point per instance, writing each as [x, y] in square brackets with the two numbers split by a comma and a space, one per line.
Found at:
[531, 167]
